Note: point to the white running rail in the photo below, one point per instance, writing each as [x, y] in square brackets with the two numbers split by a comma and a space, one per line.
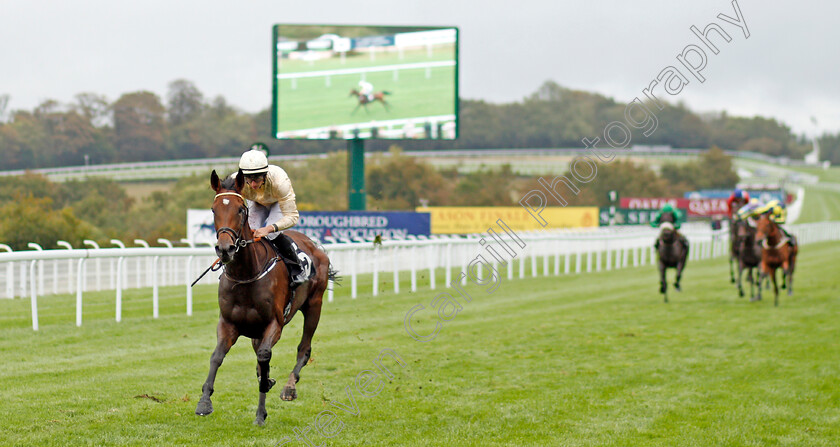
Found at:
[33, 273]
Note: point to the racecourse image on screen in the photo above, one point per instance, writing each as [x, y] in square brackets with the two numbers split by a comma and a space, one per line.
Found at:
[347, 82]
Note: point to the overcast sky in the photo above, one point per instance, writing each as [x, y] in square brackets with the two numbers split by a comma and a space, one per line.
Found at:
[788, 68]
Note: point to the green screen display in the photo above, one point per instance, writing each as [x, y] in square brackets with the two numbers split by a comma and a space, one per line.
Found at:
[346, 82]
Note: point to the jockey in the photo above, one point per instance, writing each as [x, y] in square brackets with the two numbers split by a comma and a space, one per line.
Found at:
[676, 215]
[366, 89]
[676, 218]
[747, 212]
[271, 205]
[778, 214]
[738, 198]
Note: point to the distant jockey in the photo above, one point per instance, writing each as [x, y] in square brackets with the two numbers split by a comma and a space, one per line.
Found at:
[366, 90]
[670, 214]
[747, 212]
[735, 201]
[676, 216]
[778, 214]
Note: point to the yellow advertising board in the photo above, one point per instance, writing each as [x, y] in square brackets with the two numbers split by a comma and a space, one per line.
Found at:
[477, 219]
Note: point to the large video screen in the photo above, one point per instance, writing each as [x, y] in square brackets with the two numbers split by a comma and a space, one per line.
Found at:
[346, 82]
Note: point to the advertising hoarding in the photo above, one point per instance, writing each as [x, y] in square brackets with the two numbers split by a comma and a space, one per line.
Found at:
[321, 224]
[696, 207]
[477, 219]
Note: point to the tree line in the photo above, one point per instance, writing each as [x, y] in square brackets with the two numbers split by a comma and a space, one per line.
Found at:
[34, 209]
[140, 126]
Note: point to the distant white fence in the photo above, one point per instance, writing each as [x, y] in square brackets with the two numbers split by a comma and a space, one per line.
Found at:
[349, 71]
[179, 168]
[35, 273]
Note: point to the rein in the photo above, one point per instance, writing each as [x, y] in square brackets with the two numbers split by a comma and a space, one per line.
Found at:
[783, 239]
[268, 267]
[240, 242]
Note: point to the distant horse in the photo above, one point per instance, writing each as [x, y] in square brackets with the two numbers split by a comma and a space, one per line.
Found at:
[749, 254]
[778, 252]
[734, 247]
[254, 292]
[364, 100]
[672, 254]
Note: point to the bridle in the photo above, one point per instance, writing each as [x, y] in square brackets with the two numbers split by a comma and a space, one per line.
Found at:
[773, 229]
[238, 241]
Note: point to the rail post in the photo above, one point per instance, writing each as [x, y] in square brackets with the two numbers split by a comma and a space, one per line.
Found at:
[40, 265]
[187, 277]
[98, 264]
[119, 280]
[143, 244]
[10, 274]
[70, 278]
[168, 261]
[33, 296]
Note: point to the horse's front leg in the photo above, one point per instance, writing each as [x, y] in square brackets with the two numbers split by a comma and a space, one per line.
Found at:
[663, 285]
[680, 267]
[226, 335]
[740, 274]
[263, 349]
[762, 276]
[311, 316]
[775, 288]
[731, 272]
[751, 280]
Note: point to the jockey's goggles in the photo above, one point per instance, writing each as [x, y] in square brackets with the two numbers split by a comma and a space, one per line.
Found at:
[254, 177]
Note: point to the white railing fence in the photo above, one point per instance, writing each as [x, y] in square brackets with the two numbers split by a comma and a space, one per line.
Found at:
[441, 260]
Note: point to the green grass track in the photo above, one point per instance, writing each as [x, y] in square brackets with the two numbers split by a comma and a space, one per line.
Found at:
[583, 360]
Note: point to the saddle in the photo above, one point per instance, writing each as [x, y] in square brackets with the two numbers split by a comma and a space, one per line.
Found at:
[298, 263]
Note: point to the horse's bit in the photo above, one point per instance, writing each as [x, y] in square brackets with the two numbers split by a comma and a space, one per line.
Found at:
[237, 238]
[239, 242]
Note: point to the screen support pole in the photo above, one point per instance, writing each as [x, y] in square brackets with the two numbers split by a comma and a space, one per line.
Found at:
[356, 174]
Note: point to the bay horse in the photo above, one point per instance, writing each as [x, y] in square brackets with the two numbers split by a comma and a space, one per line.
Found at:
[254, 292]
[778, 252]
[733, 208]
[364, 100]
[734, 249]
[749, 255]
[671, 253]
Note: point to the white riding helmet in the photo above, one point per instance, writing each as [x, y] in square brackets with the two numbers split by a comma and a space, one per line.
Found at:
[253, 161]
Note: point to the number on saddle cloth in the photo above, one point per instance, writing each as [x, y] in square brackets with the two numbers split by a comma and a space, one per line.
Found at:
[298, 263]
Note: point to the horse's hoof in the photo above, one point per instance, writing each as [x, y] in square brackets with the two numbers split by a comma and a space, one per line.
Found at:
[677, 286]
[204, 407]
[259, 421]
[289, 393]
[754, 299]
[790, 292]
[741, 293]
[662, 288]
[732, 280]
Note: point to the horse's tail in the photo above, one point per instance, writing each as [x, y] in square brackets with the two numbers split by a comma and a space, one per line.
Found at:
[332, 275]
[386, 92]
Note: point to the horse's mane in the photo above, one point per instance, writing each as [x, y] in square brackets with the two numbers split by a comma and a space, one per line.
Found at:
[229, 183]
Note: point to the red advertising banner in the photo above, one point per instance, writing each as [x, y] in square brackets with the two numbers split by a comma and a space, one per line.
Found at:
[695, 207]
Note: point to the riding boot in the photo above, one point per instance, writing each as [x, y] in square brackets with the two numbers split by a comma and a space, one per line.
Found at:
[684, 242]
[656, 244]
[287, 251]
